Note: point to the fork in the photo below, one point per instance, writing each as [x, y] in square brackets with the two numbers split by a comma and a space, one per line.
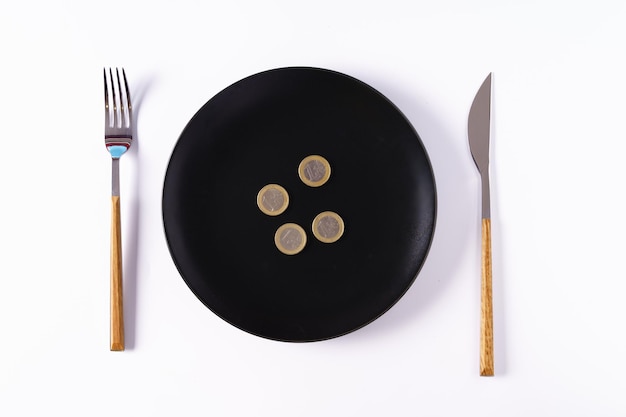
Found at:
[118, 137]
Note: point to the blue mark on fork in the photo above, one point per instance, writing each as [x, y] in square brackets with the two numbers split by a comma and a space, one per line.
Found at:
[117, 150]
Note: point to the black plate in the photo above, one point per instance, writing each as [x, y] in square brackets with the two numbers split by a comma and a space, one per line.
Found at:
[256, 132]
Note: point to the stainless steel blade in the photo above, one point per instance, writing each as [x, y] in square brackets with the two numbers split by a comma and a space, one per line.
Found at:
[478, 125]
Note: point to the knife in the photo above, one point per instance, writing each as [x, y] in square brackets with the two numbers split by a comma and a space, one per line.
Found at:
[478, 125]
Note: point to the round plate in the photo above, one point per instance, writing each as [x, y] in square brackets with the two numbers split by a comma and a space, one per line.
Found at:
[256, 132]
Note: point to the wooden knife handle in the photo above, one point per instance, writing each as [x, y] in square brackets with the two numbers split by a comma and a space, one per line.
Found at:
[117, 311]
[486, 304]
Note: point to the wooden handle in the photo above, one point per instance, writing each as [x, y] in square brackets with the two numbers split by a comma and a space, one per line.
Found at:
[117, 311]
[486, 304]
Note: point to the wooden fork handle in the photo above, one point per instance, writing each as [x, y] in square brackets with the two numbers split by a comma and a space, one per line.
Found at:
[117, 311]
[486, 304]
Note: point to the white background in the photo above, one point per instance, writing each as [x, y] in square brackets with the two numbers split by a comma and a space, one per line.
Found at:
[559, 112]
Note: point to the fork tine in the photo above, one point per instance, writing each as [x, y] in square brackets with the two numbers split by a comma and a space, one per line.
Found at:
[107, 116]
[119, 90]
[114, 98]
[128, 102]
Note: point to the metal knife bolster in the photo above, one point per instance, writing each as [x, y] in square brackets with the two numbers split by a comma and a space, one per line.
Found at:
[486, 196]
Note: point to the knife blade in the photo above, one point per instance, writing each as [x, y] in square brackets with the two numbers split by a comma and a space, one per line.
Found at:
[478, 132]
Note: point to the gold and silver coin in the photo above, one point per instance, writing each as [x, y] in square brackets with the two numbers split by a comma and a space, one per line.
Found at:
[272, 199]
[314, 170]
[328, 227]
[290, 238]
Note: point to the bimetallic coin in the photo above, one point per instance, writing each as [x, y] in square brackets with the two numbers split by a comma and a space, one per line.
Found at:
[290, 238]
[328, 227]
[314, 170]
[272, 199]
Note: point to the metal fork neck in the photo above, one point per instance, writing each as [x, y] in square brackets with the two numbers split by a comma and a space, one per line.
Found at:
[115, 176]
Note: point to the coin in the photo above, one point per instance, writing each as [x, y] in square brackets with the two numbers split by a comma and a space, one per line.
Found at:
[328, 227]
[272, 199]
[314, 170]
[290, 238]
